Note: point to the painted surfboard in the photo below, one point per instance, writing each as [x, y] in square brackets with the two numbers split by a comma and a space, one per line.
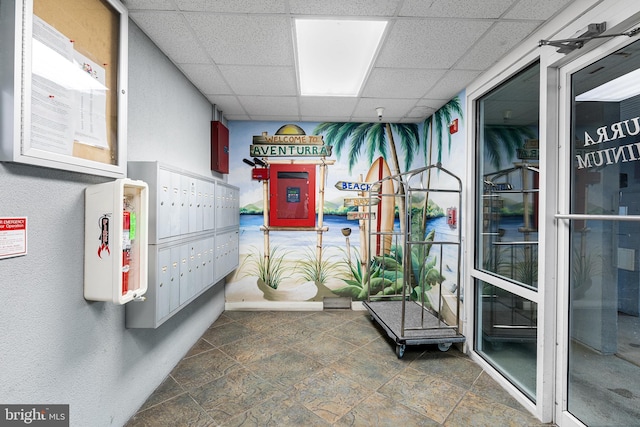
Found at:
[384, 211]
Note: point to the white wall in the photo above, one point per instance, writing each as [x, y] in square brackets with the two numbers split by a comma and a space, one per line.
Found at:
[169, 120]
[55, 347]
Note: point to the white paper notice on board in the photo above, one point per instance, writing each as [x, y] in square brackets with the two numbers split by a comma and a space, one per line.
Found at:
[52, 101]
[91, 111]
[69, 94]
[13, 237]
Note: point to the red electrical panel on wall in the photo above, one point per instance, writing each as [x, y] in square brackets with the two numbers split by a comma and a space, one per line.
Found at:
[292, 195]
[219, 147]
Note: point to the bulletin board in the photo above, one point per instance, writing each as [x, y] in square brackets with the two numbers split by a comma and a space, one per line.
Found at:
[73, 104]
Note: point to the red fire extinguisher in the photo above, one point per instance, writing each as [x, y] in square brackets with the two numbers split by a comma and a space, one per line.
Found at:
[126, 249]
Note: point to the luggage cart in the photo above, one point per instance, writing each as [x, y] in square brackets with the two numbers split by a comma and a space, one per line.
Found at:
[413, 294]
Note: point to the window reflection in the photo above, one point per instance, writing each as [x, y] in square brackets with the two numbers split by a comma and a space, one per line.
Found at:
[507, 332]
[507, 233]
[604, 276]
[506, 242]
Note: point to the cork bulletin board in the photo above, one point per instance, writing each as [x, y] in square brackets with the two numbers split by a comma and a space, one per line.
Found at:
[75, 105]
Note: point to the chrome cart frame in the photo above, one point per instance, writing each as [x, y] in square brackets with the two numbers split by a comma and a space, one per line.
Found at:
[402, 271]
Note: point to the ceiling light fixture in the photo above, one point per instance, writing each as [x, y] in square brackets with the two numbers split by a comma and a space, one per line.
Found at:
[334, 56]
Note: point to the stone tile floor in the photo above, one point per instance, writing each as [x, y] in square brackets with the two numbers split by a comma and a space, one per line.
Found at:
[327, 368]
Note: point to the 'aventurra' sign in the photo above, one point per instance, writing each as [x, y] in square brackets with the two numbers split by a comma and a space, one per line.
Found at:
[289, 145]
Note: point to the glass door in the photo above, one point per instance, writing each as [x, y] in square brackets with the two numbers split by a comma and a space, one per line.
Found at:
[600, 299]
[506, 231]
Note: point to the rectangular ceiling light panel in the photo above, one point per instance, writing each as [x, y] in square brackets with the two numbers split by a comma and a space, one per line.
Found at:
[334, 56]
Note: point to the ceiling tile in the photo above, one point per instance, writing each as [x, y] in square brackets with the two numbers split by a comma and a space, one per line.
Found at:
[232, 6]
[253, 80]
[393, 108]
[270, 105]
[341, 8]
[326, 106]
[429, 43]
[278, 119]
[420, 112]
[456, 8]
[432, 103]
[329, 119]
[206, 78]
[447, 88]
[149, 4]
[536, 9]
[400, 83]
[502, 37]
[237, 117]
[228, 104]
[171, 34]
[240, 53]
[244, 39]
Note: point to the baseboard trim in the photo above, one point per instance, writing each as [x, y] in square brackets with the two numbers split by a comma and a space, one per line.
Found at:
[274, 306]
[283, 306]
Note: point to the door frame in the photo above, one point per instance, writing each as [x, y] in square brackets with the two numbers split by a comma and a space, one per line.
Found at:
[553, 232]
[542, 408]
[564, 73]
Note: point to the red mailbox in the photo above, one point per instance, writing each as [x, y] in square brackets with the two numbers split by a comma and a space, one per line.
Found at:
[292, 195]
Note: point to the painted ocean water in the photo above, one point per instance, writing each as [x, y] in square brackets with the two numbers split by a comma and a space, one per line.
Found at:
[251, 236]
[333, 240]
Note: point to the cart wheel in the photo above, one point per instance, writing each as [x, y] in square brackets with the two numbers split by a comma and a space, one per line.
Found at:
[444, 346]
[400, 350]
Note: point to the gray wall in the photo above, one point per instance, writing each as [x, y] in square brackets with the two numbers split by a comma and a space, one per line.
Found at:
[55, 347]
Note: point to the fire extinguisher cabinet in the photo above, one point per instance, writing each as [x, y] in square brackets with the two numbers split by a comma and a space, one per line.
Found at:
[116, 241]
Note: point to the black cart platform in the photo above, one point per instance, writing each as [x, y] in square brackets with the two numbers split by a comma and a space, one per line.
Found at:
[420, 328]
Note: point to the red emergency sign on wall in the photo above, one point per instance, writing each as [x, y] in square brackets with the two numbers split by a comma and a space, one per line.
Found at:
[292, 195]
[453, 127]
[13, 237]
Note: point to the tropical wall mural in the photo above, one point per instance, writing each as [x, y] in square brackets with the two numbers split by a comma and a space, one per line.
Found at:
[334, 257]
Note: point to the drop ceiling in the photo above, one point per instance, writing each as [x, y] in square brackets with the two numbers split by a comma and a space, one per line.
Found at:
[240, 53]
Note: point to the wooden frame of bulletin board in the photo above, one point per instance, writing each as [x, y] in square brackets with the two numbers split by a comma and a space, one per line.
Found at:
[73, 64]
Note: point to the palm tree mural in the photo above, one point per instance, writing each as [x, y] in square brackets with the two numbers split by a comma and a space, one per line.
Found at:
[439, 120]
[372, 138]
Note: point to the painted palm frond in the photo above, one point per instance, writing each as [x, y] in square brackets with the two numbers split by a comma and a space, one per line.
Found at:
[426, 137]
[353, 138]
[409, 141]
[501, 142]
[361, 140]
[372, 139]
[376, 141]
[438, 121]
[336, 133]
